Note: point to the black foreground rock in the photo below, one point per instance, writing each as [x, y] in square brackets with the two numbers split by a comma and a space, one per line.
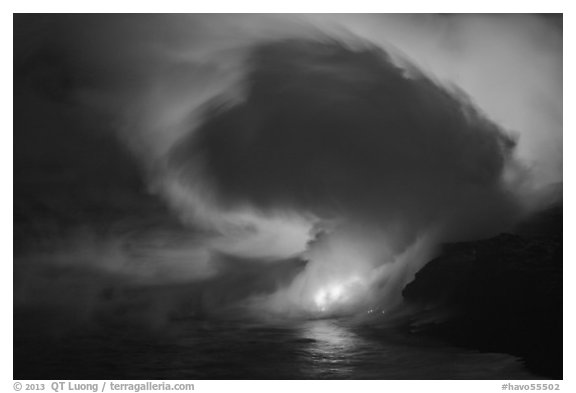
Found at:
[502, 294]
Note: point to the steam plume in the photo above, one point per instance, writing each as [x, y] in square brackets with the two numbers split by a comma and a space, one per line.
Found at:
[263, 132]
[341, 133]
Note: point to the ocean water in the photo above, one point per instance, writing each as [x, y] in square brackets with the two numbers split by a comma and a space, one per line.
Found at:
[80, 314]
[225, 349]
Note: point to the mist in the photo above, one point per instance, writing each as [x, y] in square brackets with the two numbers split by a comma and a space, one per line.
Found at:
[300, 166]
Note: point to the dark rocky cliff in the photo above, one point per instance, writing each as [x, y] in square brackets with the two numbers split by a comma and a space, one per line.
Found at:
[502, 294]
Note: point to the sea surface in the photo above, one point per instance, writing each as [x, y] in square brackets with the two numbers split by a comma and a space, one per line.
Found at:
[224, 349]
[76, 316]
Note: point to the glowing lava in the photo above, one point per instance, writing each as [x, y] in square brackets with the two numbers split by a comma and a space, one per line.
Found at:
[337, 294]
[326, 296]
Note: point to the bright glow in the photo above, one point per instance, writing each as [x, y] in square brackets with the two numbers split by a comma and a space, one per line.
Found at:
[336, 294]
[325, 296]
[347, 272]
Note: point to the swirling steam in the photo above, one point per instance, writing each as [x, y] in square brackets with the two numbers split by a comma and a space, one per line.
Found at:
[315, 162]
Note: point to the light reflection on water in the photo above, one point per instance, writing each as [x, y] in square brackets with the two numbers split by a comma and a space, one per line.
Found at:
[321, 349]
[341, 350]
[331, 348]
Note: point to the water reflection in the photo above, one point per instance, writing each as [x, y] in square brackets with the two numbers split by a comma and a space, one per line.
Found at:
[330, 349]
[213, 349]
[335, 349]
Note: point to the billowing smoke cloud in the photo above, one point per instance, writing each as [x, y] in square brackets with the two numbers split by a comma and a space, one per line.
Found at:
[355, 142]
[343, 134]
[336, 131]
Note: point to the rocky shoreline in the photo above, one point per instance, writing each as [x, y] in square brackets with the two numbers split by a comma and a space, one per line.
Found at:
[502, 294]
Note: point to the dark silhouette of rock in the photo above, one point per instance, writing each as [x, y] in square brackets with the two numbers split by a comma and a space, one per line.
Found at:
[502, 294]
